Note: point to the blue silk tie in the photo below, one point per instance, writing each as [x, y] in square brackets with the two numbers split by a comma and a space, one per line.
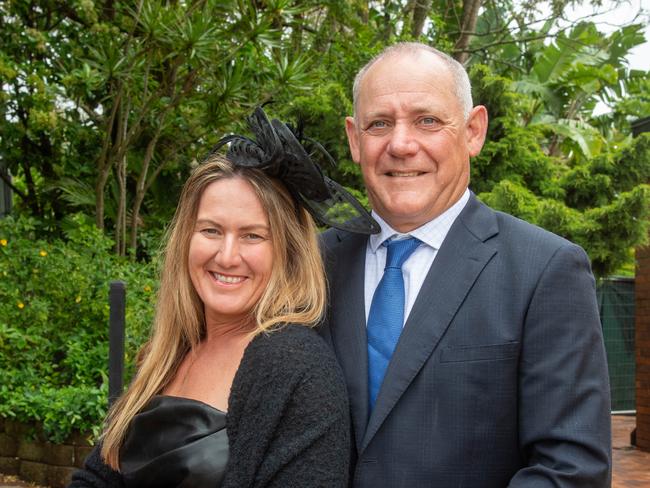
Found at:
[386, 316]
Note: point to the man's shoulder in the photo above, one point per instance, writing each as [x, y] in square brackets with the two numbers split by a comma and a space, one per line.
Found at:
[519, 230]
[521, 243]
[511, 228]
[333, 237]
[335, 243]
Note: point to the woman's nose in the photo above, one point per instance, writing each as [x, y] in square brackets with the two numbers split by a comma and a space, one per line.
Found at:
[228, 253]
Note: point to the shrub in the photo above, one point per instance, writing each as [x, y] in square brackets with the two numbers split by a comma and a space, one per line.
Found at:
[54, 323]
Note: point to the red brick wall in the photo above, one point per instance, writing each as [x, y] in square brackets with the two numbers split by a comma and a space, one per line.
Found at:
[642, 338]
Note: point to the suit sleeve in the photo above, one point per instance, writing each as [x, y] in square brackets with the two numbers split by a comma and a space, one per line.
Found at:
[564, 398]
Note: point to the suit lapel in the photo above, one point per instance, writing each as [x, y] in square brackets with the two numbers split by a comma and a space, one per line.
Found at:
[347, 310]
[459, 261]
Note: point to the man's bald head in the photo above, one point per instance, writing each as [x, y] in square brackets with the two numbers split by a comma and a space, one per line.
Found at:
[462, 86]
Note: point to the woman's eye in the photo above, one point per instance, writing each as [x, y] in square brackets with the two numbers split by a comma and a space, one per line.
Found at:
[253, 237]
[210, 232]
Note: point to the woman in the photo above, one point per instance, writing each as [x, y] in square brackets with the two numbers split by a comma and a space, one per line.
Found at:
[234, 389]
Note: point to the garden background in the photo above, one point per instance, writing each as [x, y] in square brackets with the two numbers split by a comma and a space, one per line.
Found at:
[107, 105]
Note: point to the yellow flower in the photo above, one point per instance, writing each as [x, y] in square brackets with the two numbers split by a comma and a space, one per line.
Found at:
[78, 299]
[21, 305]
[147, 288]
[43, 253]
[3, 242]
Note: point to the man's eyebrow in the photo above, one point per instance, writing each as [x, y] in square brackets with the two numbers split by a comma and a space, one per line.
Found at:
[374, 113]
[418, 110]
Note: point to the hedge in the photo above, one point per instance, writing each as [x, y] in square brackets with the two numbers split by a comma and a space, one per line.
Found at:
[54, 322]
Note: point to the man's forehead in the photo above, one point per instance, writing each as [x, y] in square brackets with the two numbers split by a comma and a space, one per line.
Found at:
[415, 91]
[413, 104]
[417, 60]
[404, 72]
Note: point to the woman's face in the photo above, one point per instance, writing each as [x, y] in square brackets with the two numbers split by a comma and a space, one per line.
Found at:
[231, 253]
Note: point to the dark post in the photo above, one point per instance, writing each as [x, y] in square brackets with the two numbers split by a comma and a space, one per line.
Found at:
[117, 301]
[5, 191]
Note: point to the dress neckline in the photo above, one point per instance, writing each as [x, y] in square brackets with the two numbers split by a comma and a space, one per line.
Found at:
[173, 398]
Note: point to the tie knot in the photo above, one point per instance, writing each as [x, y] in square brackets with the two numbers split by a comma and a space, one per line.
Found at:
[399, 251]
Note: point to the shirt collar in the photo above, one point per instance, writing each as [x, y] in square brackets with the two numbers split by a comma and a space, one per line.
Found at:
[432, 233]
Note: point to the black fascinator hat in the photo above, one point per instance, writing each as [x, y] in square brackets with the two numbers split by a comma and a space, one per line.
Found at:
[284, 153]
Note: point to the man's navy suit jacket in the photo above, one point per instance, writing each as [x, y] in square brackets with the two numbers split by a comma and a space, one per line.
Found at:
[499, 377]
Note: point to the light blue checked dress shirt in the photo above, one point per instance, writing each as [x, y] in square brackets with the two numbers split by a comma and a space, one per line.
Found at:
[415, 269]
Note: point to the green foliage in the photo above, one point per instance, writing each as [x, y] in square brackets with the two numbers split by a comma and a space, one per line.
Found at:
[106, 106]
[598, 202]
[103, 101]
[54, 322]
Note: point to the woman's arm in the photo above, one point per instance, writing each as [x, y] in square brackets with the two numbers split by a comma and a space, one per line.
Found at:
[96, 474]
[288, 413]
[311, 444]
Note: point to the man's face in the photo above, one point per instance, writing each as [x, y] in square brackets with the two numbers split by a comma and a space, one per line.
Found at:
[411, 139]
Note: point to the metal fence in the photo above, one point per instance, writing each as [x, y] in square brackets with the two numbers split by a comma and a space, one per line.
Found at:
[616, 303]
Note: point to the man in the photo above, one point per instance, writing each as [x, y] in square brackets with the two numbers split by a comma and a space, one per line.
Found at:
[498, 376]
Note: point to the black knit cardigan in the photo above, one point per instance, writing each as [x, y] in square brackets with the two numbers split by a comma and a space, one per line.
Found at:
[288, 418]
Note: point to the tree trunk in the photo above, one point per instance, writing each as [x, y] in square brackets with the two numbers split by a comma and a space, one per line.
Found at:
[467, 28]
[421, 10]
[141, 189]
[363, 11]
[108, 10]
[32, 196]
[388, 31]
[100, 184]
[296, 35]
[104, 162]
[47, 155]
[120, 225]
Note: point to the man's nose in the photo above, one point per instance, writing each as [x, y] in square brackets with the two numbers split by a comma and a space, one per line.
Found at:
[402, 141]
[228, 252]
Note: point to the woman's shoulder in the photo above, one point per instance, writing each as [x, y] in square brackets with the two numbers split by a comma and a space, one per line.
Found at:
[293, 360]
[298, 342]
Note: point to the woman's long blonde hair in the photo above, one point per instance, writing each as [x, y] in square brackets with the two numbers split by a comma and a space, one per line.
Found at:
[295, 292]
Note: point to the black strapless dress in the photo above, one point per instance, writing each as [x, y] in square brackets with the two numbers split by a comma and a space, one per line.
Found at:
[175, 442]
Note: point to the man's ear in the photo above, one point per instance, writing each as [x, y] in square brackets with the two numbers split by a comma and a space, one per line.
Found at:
[477, 124]
[353, 138]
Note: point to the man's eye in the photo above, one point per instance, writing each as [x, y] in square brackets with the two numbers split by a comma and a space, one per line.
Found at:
[428, 121]
[377, 125]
